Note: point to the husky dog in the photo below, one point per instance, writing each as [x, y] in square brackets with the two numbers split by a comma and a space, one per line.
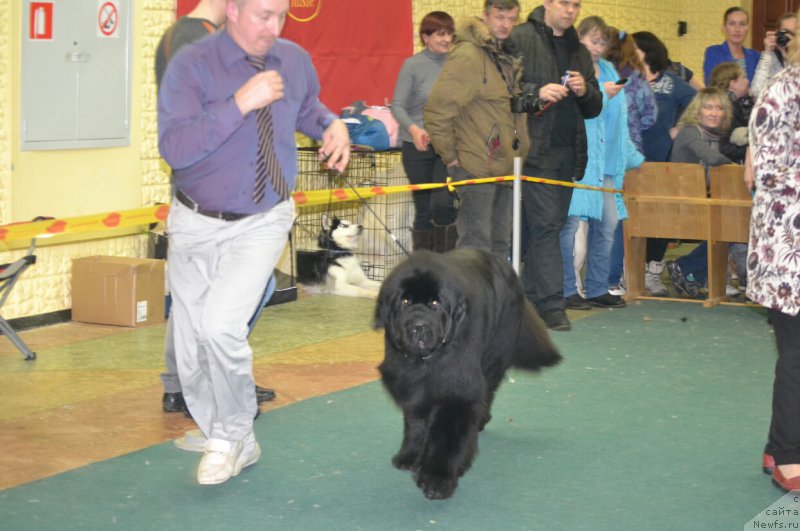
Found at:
[333, 266]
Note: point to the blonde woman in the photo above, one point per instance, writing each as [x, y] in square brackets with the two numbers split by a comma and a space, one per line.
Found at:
[705, 120]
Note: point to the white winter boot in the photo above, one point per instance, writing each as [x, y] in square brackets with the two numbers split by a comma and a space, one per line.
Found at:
[652, 279]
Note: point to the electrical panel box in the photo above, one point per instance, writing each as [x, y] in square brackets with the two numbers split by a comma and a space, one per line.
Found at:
[76, 68]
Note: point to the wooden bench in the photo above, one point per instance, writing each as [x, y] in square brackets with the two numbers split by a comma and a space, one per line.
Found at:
[669, 200]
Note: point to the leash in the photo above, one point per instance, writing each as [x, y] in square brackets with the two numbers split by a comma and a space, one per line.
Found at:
[366, 205]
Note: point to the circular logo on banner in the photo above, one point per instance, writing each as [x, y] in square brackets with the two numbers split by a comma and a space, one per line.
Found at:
[305, 10]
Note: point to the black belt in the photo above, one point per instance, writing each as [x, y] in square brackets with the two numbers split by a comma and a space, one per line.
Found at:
[189, 203]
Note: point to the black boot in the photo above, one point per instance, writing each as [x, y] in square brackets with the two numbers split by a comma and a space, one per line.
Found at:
[444, 237]
[421, 239]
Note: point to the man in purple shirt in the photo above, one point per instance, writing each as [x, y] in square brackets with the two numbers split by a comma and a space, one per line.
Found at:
[226, 228]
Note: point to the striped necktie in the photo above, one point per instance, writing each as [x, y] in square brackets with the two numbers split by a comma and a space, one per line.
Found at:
[268, 165]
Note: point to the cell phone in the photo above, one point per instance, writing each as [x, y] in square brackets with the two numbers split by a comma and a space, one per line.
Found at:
[621, 81]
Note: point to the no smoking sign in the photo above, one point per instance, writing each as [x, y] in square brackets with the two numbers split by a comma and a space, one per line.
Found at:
[108, 18]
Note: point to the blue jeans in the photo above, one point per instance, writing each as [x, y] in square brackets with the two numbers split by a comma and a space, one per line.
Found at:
[598, 255]
[617, 258]
[695, 263]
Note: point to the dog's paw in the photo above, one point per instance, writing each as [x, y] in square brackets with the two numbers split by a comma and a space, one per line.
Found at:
[404, 460]
[436, 487]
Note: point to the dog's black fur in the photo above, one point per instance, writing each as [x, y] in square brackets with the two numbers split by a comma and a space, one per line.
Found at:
[453, 324]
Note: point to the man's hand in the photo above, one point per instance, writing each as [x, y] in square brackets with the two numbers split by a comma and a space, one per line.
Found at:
[553, 92]
[576, 83]
[335, 150]
[261, 90]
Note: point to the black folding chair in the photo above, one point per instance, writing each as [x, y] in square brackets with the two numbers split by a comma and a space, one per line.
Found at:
[9, 274]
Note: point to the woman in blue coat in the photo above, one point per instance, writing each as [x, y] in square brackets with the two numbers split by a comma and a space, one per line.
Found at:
[735, 25]
[610, 152]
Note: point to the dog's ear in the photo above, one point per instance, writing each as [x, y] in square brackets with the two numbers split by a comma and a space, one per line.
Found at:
[382, 310]
[457, 315]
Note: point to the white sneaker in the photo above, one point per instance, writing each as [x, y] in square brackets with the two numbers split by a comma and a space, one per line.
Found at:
[731, 291]
[192, 441]
[652, 279]
[618, 290]
[223, 459]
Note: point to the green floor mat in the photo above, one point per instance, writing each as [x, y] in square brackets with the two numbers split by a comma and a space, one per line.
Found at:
[655, 420]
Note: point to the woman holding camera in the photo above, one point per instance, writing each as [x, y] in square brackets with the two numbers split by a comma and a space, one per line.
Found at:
[610, 152]
[774, 261]
[735, 26]
[776, 45]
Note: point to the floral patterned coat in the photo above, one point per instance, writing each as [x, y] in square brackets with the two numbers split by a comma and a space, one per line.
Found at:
[773, 262]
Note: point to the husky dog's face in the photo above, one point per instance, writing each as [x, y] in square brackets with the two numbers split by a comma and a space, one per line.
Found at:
[342, 232]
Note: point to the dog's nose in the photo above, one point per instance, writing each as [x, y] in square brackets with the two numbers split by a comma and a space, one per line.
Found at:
[420, 332]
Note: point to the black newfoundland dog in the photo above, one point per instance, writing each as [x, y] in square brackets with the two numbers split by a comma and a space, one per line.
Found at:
[454, 323]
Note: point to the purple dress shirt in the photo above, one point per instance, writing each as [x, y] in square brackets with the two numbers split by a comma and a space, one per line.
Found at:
[203, 136]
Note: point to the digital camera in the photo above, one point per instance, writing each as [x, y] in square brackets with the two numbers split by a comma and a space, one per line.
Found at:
[524, 103]
[782, 38]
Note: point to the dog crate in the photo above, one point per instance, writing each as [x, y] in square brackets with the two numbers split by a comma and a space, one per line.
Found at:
[378, 253]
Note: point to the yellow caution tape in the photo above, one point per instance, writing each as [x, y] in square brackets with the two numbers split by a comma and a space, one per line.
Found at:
[154, 214]
[337, 195]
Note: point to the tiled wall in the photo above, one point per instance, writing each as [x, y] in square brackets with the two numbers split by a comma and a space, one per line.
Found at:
[5, 110]
[45, 287]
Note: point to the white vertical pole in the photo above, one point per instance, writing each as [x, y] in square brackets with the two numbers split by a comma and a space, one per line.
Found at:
[516, 215]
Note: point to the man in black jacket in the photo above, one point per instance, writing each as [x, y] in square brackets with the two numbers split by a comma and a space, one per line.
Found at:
[559, 76]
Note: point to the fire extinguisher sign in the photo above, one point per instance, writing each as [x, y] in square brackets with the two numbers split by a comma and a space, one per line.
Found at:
[108, 18]
[40, 21]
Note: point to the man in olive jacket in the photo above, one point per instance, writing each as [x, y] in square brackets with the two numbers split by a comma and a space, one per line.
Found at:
[559, 76]
[468, 117]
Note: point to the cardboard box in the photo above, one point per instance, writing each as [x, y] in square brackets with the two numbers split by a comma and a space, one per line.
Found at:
[116, 290]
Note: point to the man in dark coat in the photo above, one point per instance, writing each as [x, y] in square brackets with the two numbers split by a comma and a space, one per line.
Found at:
[559, 76]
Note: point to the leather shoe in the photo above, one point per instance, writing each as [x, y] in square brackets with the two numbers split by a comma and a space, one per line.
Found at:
[173, 403]
[556, 320]
[784, 483]
[576, 302]
[767, 463]
[264, 394]
[223, 459]
[606, 300]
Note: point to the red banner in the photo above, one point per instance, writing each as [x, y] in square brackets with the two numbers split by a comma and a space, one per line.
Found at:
[357, 46]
